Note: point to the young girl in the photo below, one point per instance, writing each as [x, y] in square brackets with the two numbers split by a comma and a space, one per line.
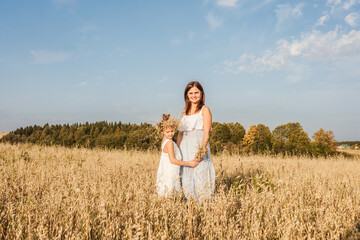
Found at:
[168, 178]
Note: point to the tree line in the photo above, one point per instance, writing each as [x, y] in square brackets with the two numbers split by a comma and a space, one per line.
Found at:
[100, 134]
[287, 139]
[351, 144]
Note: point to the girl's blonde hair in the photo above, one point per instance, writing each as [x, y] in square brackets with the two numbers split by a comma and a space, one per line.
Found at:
[167, 121]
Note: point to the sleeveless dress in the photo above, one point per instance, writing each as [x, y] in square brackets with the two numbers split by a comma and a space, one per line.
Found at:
[168, 178]
[198, 182]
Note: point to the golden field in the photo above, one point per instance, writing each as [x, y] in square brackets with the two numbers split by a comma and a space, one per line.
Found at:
[61, 193]
[355, 152]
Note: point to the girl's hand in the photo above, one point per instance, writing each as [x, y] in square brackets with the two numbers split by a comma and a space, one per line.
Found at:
[193, 163]
[197, 159]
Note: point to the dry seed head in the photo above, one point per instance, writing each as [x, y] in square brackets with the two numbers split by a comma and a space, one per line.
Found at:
[202, 151]
[166, 122]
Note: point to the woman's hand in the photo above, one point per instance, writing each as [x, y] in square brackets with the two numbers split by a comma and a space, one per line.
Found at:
[193, 163]
[198, 159]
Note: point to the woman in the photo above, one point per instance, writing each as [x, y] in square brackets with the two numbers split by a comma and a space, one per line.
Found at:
[195, 126]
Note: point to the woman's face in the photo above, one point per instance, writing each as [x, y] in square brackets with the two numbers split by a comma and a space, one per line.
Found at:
[194, 95]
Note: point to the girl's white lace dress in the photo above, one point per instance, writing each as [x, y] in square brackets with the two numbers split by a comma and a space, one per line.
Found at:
[168, 178]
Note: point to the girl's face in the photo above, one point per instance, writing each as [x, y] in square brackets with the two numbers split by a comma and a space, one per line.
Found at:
[169, 132]
[194, 95]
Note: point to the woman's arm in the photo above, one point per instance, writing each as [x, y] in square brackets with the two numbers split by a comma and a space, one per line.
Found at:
[169, 149]
[207, 120]
[179, 138]
[180, 134]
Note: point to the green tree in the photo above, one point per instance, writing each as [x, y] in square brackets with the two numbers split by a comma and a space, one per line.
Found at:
[219, 137]
[119, 139]
[291, 139]
[45, 137]
[237, 132]
[70, 138]
[80, 132]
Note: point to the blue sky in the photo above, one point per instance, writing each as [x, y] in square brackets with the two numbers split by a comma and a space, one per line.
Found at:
[259, 61]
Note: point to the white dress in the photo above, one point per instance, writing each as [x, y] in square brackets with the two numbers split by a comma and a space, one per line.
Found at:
[168, 178]
[198, 182]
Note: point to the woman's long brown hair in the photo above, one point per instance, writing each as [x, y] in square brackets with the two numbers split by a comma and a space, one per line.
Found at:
[187, 100]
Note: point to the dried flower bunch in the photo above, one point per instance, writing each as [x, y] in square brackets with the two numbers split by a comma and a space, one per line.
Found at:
[166, 122]
[202, 151]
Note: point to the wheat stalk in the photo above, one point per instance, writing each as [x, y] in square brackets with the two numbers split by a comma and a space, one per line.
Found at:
[61, 193]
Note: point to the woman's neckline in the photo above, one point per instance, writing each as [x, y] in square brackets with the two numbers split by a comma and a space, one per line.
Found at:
[192, 114]
[195, 113]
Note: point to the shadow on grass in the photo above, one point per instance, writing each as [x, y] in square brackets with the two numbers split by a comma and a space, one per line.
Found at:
[354, 232]
[241, 182]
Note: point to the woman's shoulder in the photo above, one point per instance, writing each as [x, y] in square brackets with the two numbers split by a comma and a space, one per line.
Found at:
[205, 109]
[206, 114]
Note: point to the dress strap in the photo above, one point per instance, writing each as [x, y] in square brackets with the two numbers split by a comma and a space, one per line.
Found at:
[202, 109]
[164, 143]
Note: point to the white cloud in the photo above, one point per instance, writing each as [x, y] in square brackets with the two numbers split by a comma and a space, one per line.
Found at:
[314, 46]
[333, 2]
[47, 57]
[322, 19]
[285, 13]
[227, 3]
[214, 22]
[338, 6]
[297, 11]
[349, 4]
[352, 19]
[324, 47]
[260, 4]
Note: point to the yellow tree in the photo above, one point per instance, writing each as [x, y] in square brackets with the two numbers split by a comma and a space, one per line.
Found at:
[258, 138]
[324, 142]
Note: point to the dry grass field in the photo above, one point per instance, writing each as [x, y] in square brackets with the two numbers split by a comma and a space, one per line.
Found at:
[60, 193]
[355, 152]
